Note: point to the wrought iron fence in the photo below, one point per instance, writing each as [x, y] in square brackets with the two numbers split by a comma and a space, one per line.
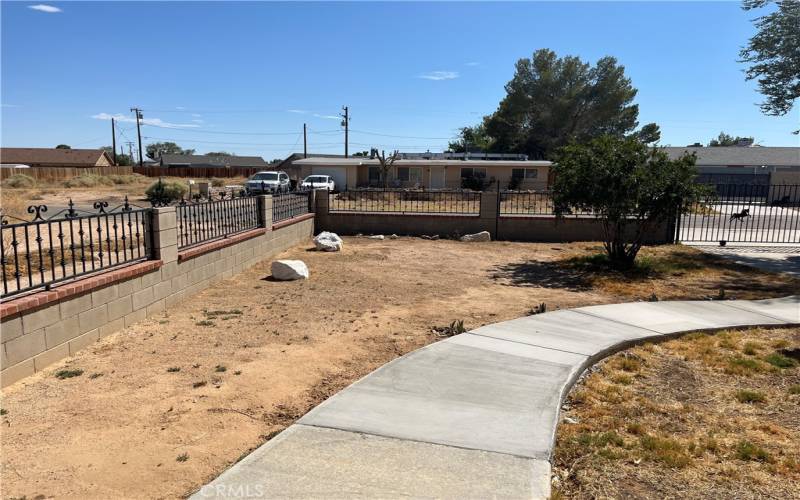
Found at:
[288, 205]
[532, 203]
[403, 201]
[72, 243]
[203, 221]
[743, 213]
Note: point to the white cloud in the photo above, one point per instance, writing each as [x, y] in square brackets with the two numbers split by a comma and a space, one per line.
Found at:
[328, 117]
[297, 111]
[156, 122]
[472, 63]
[44, 8]
[439, 75]
[4, 105]
[196, 115]
[198, 120]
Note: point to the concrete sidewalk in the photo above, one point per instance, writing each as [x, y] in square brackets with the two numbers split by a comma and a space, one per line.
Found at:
[471, 416]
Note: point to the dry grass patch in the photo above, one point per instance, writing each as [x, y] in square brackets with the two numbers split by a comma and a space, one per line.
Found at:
[704, 416]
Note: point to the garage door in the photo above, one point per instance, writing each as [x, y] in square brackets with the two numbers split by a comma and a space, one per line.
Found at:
[339, 175]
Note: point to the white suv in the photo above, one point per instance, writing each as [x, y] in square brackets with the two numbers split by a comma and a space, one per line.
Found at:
[318, 182]
[268, 182]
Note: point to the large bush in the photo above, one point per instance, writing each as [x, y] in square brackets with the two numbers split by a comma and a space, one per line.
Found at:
[165, 191]
[628, 185]
[20, 181]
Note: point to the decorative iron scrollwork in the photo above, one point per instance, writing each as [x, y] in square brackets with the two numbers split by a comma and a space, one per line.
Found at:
[39, 210]
[101, 205]
[126, 207]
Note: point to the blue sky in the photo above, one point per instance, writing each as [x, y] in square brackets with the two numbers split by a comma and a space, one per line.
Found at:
[411, 73]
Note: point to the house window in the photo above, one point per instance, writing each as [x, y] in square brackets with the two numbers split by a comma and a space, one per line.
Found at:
[374, 174]
[469, 172]
[524, 173]
[409, 174]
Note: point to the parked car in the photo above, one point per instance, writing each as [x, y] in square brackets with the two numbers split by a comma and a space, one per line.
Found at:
[318, 182]
[268, 183]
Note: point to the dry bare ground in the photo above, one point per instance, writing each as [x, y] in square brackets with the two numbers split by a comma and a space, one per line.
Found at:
[704, 416]
[165, 405]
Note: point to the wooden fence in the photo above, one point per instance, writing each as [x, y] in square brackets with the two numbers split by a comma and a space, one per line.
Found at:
[198, 172]
[62, 173]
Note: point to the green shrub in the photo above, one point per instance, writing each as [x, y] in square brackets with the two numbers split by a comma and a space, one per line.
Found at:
[745, 450]
[20, 181]
[794, 389]
[747, 396]
[216, 182]
[779, 360]
[165, 191]
[62, 374]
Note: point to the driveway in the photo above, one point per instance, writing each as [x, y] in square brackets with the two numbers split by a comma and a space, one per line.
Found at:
[776, 257]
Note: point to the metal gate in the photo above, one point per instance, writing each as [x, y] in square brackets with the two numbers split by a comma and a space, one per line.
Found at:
[744, 213]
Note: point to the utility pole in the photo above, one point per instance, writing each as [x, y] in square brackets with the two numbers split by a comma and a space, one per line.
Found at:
[130, 150]
[346, 124]
[305, 142]
[114, 142]
[139, 132]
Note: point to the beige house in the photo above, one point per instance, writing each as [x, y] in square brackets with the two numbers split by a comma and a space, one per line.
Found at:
[427, 173]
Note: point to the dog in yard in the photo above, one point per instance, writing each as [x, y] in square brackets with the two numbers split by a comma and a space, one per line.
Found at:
[741, 215]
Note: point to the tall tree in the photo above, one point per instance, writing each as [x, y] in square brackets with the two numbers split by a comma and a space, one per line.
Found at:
[630, 186]
[156, 149]
[219, 153]
[551, 101]
[472, 138]
[649, 133]
[774, 54]
[724, 139]
[63, 146]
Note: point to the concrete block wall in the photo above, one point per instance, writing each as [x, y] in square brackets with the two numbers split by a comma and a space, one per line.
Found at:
[39, 329]
[513, 227]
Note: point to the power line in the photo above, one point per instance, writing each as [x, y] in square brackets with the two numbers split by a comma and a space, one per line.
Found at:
[237, 143]
[220, 132]
[402, 136]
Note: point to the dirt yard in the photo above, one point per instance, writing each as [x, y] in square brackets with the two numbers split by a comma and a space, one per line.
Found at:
[56, 195]
[705, 416]
[158, 409]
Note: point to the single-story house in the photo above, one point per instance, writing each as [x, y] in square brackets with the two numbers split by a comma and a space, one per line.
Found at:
[426, 173]
[744, 165]
[52, 157]
[203, 161]
[297, 173]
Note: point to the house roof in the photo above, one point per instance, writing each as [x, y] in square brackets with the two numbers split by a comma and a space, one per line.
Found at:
[343, 162]
[53, 156]
[740, 156]
[213, 161]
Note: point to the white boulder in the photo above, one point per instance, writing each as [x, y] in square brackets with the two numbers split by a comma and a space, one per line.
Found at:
[393, 237]
[482, 236]
[376, 237]
[287, 270]
[328, 242]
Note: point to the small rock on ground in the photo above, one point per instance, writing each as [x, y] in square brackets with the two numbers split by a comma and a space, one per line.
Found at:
[482, 236]
[328, 242]
[287, 270]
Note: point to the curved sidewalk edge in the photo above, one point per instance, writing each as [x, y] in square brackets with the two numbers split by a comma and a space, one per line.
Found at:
[471, 416]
